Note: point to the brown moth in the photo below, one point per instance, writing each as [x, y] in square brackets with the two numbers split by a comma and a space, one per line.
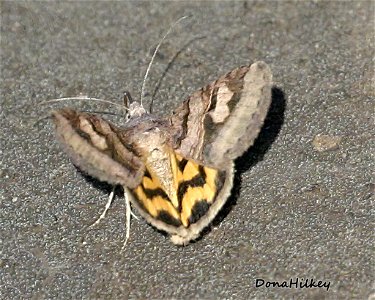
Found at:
[176, 170]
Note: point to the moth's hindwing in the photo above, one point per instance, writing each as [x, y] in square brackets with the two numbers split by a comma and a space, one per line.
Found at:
[222, 120]
[200, 192]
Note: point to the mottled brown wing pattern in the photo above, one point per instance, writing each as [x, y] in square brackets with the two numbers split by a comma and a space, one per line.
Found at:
[95, 147]
[219, 122]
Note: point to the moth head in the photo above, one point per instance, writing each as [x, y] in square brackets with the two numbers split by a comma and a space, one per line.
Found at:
[135, 110]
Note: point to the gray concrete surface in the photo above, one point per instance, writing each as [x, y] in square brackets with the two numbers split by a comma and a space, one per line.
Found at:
[302, 205]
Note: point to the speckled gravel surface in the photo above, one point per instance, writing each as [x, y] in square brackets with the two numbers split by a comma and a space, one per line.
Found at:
[302, 205]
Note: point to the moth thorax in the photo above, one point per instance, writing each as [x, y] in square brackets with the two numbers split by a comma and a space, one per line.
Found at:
[136, 110]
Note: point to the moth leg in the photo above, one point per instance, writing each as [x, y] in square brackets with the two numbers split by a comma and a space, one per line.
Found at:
[128, 214]
[107, 206]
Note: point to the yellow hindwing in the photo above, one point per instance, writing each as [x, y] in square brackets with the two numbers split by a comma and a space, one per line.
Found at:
[196, 187]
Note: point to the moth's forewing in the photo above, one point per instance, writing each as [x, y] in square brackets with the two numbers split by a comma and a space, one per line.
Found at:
[221, 121]
[95, 146]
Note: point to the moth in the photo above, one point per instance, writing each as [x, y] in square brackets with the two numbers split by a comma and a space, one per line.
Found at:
[177, 171]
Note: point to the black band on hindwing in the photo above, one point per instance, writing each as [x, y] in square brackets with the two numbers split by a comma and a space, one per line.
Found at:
[196, 181]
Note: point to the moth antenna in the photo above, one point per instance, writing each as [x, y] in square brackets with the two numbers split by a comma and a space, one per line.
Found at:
[83, 98]
[154, 54]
